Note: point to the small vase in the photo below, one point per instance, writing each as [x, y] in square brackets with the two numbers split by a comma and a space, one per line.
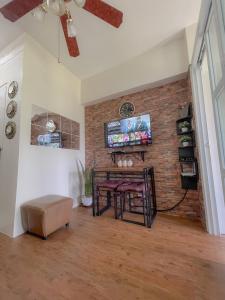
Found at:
[125, 163]
[130, 163]
[87, 200]
[184, 129]
[120, 163]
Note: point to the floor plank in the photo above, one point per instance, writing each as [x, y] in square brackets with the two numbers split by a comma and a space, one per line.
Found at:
[104, 259]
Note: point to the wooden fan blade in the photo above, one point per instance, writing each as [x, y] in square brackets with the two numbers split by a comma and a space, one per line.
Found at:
[16, 9]
[105, 12]
[71, 41]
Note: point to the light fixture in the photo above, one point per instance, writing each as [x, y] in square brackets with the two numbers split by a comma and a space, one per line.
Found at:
[71, 29]
[80, 3]
[39, 13]
[57, 7]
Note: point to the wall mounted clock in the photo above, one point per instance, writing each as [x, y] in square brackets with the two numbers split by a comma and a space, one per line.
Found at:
[13, 89]
[10, 130]
[127, 109]
[11, 109]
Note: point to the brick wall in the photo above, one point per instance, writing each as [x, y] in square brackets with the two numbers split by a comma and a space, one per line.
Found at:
[163, 105]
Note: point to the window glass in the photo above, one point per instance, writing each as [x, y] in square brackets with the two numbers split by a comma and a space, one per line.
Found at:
[221, 115]
[214, 53]
[223, 10]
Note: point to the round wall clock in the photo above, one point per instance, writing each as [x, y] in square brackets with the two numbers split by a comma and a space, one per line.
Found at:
[127, 109]
[13, 89]
[11, 109]
[10, 130]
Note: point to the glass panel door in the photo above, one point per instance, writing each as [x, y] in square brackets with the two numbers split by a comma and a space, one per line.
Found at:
[223, 10]
[215, 46]
[208, 78]
[221, 123]
[216, 65]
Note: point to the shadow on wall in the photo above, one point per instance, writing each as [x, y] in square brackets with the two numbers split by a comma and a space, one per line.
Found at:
[74, 182]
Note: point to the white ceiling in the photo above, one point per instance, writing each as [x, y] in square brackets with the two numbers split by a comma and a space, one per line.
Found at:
[146, 24]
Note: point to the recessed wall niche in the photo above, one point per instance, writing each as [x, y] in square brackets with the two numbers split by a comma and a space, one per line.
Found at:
[49, 129]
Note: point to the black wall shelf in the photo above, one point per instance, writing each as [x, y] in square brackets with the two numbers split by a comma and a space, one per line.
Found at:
[185, 133]
[189, 177]
[185, 119]
[185, 147]
[189, 182]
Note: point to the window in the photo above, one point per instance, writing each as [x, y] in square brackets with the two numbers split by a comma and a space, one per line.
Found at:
[215, 54]
[221, 120]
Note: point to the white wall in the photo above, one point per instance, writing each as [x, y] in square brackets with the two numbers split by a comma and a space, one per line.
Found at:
[51, 86]
[10, 70]
[44, 170]
[160, 63]
[190, 34]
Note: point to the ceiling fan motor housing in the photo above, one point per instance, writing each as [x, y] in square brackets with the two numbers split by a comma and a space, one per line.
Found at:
[80, 3]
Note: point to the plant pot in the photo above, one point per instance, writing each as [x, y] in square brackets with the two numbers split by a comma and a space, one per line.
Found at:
[87, 200]
[185, 144]
[184, 129]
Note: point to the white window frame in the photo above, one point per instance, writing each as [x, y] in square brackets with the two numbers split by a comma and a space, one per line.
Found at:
[213, 196]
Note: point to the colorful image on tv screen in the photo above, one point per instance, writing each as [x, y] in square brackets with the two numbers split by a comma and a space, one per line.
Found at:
[131, 131]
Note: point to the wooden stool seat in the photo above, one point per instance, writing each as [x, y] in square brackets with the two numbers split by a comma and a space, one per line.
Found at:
[131, 187]
[109, 184]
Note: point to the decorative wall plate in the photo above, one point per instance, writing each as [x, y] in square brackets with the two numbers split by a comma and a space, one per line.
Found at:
[127, 109]
[13, 89]
[11, 109]
[10, 130]
[50, 126]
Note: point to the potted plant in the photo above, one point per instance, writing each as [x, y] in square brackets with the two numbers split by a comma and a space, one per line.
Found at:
[184, 126]
[85, 176]
[87, 198]
[185, 140]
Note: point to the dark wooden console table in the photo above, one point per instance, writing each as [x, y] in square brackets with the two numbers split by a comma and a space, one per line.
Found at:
[145, 175]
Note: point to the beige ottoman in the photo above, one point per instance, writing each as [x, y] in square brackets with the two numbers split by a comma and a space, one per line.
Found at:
[45, 215]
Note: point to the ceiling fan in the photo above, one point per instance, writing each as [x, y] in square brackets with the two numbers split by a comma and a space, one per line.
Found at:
[16, 9]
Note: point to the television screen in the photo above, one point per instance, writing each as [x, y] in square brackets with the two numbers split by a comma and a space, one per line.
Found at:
[129, 132]
[50, 139]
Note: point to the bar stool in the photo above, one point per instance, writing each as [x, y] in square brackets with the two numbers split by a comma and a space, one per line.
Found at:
[125, 190]
[109, 186]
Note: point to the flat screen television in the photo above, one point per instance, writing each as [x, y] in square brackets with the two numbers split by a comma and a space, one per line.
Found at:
[129, 132]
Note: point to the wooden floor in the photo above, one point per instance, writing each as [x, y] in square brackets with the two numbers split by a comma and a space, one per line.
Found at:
[100, 258]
